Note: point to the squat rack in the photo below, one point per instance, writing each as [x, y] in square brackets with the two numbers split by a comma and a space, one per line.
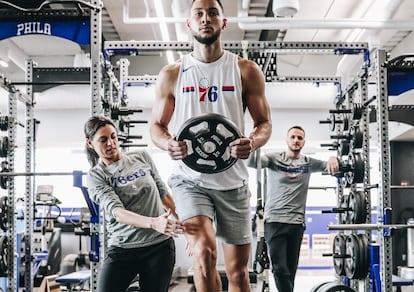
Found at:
[40, 20]
[381, 113]
[378, 72]
[263, 53]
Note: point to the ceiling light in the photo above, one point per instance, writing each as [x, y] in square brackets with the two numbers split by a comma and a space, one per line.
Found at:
[159, 10]
[4, 64]
[285, 8]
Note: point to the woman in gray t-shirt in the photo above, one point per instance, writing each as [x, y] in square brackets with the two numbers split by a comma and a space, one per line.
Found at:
[137, 208]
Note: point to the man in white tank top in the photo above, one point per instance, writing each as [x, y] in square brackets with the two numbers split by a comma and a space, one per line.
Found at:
[216, 205]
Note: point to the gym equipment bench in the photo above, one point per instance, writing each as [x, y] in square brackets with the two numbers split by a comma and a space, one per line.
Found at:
[75, 281]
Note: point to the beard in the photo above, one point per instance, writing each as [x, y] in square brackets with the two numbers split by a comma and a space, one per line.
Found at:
[295, 149]
[207, 40]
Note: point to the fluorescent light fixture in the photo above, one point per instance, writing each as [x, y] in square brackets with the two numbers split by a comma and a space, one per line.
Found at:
[163, 27]
[4, 64]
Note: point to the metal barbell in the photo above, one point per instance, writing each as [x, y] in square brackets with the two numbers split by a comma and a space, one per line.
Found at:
[35, 173]
[5, 174]
[368, 226]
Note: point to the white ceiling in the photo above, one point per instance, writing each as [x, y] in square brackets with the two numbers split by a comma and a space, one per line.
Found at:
[316, 21]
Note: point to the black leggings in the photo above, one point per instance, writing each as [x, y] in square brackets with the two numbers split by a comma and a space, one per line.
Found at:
[284, 241]
[153, 264]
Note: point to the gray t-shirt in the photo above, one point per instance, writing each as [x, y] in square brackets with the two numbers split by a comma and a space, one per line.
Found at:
[288, 182]
[132, 183]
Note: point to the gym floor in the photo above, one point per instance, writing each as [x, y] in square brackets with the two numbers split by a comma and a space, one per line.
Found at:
[305, 280]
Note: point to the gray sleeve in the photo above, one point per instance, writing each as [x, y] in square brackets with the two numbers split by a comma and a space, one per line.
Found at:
[252, 160]
[101, 191]
[317, 165]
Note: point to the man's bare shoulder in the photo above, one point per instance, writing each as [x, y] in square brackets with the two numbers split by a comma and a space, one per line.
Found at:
[169, 73]
[171, 69]
[247, 65]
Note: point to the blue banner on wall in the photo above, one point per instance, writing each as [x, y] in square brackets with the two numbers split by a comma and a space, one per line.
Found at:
[400, 81]
[77, 31]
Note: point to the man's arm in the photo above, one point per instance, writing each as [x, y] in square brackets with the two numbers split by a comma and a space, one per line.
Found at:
[162, 112]
[256, 102]
[163, 107]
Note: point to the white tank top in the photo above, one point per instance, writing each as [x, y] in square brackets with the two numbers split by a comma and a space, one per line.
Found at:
[210, 88]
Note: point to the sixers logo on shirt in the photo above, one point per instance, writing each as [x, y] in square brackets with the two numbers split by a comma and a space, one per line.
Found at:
[211, 93]
[125, 179]
[208, 92]
[294, 171]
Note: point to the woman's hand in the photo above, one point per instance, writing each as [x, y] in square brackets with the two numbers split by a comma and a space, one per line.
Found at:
[164, 224]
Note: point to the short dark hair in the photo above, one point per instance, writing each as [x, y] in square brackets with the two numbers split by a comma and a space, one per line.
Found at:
[218, 1]
[296, 127]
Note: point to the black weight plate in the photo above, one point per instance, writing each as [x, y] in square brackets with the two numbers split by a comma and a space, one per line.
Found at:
[357, 169]
[352, 267]
[4, 180]
[333, 122]
[3, 256]
[4, 147]
[339, 251]
[4, 213]
[343, 216]
[209, 136]
[357, 139]
[344, 181]
[358, 205]
[345, 124]
[343, 148]
[364, 269]
[357, 111]
[318, 286]
[335, 287]
[353, 201]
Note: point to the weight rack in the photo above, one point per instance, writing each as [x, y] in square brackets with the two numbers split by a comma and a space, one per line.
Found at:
[92, 18]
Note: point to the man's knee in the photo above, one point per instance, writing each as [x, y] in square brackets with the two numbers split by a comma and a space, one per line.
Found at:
[205, 259]
[238, 275]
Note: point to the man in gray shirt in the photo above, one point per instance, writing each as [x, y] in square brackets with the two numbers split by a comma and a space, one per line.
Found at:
[288, 182]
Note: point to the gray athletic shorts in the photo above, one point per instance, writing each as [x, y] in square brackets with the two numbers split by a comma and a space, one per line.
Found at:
[229, 209]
